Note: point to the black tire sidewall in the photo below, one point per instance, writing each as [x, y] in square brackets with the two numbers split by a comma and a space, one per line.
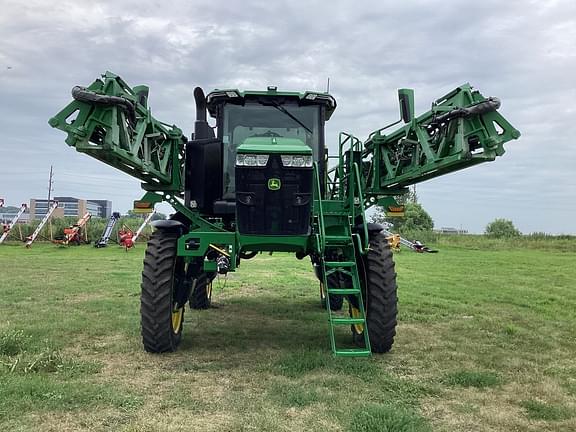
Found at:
[379, 293]
[158, 292]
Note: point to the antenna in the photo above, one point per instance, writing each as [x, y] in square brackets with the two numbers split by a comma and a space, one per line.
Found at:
[328, 85]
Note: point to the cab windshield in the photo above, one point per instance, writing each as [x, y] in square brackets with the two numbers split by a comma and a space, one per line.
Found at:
[254, 119]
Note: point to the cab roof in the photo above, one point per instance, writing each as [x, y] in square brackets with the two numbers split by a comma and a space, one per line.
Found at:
[219, 97]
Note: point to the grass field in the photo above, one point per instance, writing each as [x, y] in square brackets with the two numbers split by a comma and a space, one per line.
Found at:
[486, 342]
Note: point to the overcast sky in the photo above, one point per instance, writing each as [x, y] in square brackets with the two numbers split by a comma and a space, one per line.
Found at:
[524, 52]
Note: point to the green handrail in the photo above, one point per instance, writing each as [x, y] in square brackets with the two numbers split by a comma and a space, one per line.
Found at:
[360, 195]
[322, 242]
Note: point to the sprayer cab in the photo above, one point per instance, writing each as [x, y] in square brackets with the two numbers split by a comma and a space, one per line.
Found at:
[258, 166]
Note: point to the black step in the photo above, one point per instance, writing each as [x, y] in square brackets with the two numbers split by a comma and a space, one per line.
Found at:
[337, 239]
[342, 264]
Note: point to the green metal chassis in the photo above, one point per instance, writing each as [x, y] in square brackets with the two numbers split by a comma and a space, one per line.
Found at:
[367, 173]
[364, 173]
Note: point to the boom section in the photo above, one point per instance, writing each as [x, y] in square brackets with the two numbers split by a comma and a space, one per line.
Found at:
[111, 122]
[462, 129]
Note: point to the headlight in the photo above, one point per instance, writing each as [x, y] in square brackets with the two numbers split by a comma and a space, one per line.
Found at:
[251, 160]
[296, 161]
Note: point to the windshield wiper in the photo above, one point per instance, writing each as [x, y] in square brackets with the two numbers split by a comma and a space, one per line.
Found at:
[289, 114]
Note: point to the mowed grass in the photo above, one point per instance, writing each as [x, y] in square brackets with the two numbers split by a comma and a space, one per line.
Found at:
[486, 342]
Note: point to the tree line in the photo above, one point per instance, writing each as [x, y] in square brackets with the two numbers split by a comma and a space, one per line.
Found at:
[417, 220]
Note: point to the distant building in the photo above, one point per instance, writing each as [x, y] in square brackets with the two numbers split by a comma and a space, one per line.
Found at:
[70, 206]
[104, 209]
[450, 230]
[7, 214]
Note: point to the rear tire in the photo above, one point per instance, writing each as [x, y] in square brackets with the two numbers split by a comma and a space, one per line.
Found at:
[336, 300]
[161, 313]
[201, 297]
[379, 292]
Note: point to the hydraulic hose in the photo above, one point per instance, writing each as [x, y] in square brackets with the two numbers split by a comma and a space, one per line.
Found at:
[82, 94]
[488, 105]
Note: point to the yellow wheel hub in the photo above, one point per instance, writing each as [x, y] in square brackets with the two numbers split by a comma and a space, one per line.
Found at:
[355, 313]
[209, 290]
[177, 315]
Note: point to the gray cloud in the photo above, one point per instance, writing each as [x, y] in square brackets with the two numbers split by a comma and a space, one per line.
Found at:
[521, 51]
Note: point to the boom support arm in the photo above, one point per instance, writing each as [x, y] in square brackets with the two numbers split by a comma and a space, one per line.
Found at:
[112, 123]
[462, 129]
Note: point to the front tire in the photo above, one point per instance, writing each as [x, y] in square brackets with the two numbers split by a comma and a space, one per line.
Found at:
[161, 305]
[379, 292]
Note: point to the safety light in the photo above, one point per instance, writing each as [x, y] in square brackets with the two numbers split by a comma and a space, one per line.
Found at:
[296, 161]
[252, 160]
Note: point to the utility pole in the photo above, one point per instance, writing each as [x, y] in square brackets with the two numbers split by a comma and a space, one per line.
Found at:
[50, 183]
[50, 189]
[414, 195]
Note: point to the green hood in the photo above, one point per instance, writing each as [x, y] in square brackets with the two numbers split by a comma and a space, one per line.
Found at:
[268, 145]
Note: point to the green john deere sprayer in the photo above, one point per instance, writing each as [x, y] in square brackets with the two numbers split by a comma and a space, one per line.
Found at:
[262, 180]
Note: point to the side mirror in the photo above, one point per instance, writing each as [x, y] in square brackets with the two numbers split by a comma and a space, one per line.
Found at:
[202, 129]
[406, 100]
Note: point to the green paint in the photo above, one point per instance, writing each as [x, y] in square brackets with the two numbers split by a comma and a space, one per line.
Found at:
[320, 98]
[274, 184]
[274, 145]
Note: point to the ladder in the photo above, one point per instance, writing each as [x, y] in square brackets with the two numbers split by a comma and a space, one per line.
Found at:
[139, 231]
[105, 237]
[338, 245]
[8, 227]
[30, 239]
[339, 257]
[349, 269]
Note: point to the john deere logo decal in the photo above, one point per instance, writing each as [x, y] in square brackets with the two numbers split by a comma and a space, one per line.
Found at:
[274, 184]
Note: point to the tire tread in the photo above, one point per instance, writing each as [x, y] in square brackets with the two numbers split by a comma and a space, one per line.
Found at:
[156, 294]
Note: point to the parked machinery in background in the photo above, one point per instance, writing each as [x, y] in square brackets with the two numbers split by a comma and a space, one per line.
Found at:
[75, 234]
[143, 225]
[126, 237]
[108, 229]
[7, 227]
[31, 238]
